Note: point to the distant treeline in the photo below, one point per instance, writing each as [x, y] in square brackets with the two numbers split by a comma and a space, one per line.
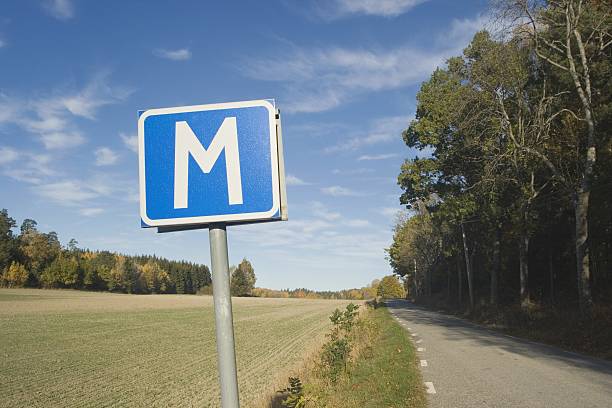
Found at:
[367, 292]
[36, 259]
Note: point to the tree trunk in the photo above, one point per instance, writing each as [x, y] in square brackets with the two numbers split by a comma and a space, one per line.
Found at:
[524, 267]
[551, 273]
[496, 265]
[416, 282]
[468, 267]
[448, 283]
[459, 282]
[524, 257]
[428, 281]
[581, 207]
[581, 203]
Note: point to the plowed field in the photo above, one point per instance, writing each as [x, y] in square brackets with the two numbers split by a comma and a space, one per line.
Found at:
[83, 349]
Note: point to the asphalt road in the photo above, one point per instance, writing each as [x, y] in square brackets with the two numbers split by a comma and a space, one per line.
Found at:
[465, 365]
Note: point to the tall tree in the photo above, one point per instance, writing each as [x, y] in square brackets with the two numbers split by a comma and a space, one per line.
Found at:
[390, 288]
[243, 279]
[574, 38]
[39, 249]
[156, 279]
[7, 240]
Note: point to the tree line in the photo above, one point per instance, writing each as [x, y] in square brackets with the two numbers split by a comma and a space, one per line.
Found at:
[366, 292]
[36, 259]
[242, 283]
[511, 199]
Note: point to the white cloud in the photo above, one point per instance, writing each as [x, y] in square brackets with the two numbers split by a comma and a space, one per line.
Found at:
[82, 193]
[9, 109]
[357, 142]
[132, 196]
[90, 212]
[181, 54]
[130, 141]
[103, 185]
[381, 130]
[352, 172]
[292, 180]
[95, 95]
[315, 100]
[322, 212]
[462, 30]
[357, 223]
[367, 157]
[320, 79]
[385, 8]
[59, 140]
[327, 239]
[319, 210]
[318, 129]
[105, 156]
[390, 211]
[60, 9]
[338, 191]
[31, 168]
[337, 240]
[51, 118]
[7, 155]
[315, 226]
[68, 192]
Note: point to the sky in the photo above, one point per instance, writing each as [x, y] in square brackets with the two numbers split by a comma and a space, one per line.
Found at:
[344, 73]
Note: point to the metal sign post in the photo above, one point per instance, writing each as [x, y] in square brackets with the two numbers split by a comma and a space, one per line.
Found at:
[183, 188]
[226, 350]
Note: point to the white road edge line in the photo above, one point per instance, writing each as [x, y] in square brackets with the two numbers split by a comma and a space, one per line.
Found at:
[415, 334]
[423, 363]
[430, 387]
[418, 341]
[421, 349]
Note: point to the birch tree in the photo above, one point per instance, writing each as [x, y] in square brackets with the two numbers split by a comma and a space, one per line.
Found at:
[572, 37]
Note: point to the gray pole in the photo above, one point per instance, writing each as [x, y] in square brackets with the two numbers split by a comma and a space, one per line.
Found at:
[226, 352]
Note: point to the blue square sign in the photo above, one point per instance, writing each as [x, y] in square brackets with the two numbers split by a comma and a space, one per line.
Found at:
[205, 164]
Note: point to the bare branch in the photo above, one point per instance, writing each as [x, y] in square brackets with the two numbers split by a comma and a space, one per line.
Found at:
[552, 117]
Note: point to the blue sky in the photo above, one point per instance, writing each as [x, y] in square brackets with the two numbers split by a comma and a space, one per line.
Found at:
[73, 74]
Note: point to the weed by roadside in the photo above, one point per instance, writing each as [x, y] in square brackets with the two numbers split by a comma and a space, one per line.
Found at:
[368, 361]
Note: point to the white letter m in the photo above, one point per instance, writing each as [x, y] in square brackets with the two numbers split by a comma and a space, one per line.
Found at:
[187, 144]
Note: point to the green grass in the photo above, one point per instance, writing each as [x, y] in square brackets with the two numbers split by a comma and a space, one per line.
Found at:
[69, 348]
[385, 373]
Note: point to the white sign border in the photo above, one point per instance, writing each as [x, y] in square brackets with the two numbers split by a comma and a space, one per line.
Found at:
[210, 219]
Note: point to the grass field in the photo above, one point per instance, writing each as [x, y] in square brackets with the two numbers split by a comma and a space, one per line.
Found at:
[83, 349]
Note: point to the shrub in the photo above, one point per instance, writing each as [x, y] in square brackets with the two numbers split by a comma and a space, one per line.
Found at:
[295, 394]
[62, 272]
[336, 352]
[15, 275]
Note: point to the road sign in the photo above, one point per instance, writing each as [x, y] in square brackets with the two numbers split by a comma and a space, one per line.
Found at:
[209, 164]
